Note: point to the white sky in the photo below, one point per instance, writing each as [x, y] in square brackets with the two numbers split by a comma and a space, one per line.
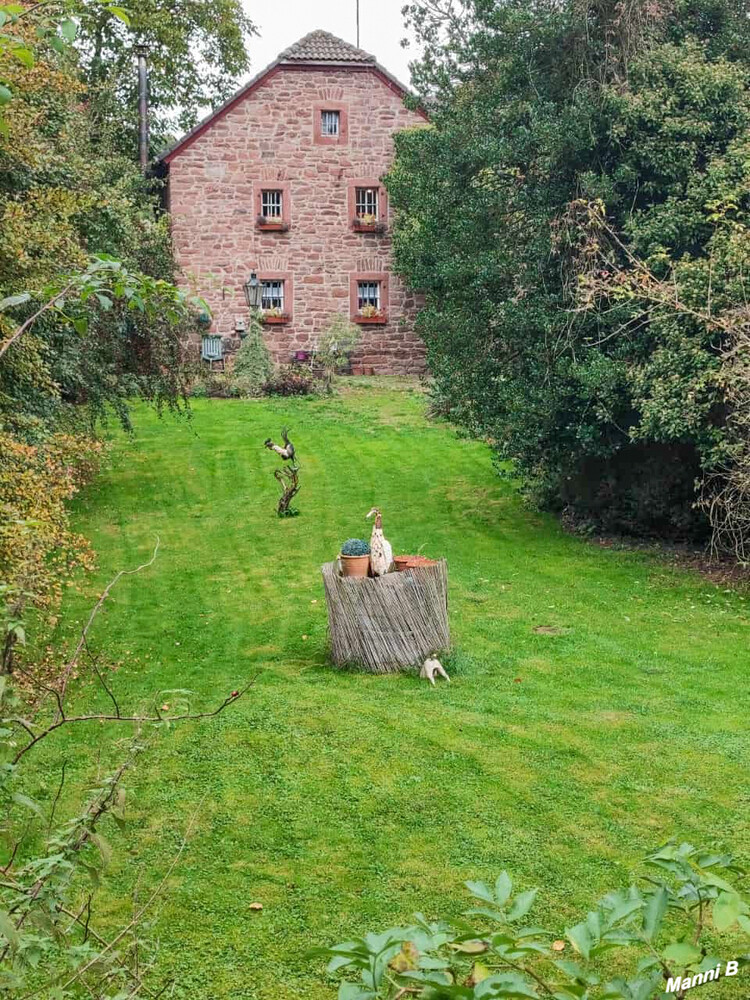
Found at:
[282, 22]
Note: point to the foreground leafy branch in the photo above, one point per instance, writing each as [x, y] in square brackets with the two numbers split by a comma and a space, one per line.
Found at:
[103, 281]
[46, 932]
[670, 919]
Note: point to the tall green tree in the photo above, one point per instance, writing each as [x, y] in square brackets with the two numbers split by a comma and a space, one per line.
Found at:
[197, 53]
[577, 215]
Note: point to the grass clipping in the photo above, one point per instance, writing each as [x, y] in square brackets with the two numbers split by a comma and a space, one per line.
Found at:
[389, 623]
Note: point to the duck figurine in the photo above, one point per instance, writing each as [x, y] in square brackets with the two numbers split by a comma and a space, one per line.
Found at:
[381, 551]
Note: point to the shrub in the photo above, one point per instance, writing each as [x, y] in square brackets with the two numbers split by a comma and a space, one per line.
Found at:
[335, 346]
[289, 381]
[355, 547]
[668, 920]
[38, 550]
[252, 368]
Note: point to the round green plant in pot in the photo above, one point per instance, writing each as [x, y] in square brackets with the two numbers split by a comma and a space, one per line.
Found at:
[355, 557]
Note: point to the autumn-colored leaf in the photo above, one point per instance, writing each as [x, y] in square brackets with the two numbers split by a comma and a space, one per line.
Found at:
[407, 959]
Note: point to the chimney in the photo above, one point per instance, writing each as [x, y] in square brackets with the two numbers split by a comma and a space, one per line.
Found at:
[142, 53]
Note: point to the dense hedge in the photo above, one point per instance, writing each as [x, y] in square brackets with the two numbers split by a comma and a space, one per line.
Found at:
[577, 216]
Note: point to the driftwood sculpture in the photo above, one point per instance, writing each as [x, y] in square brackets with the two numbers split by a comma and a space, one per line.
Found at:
[288, 476]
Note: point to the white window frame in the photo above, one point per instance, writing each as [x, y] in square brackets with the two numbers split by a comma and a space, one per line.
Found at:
[272, 294]
[272, 203]
[369, 294]
[366, 201]
[330, 124]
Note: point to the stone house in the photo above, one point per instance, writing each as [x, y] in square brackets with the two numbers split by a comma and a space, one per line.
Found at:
[284, 182]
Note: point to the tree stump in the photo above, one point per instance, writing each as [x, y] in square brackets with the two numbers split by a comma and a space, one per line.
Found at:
[390, 623]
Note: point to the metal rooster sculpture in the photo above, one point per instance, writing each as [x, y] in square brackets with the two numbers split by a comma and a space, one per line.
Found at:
[287, 452]
[381, 552]
[288, 476]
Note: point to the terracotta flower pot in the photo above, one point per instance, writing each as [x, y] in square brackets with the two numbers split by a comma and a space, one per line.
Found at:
[355, 565]
[409, 562]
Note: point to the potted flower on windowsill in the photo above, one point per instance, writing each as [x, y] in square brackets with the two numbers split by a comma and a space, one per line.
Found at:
[355, 558]
[274, 316]
[367, 223]
[370, 314]
[272, 224]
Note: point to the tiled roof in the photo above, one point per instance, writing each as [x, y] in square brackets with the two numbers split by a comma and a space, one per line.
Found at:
[320, 46]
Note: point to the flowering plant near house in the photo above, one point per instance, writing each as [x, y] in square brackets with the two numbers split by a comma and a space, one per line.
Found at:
[370, 312]
[272, 222]
[670, 921]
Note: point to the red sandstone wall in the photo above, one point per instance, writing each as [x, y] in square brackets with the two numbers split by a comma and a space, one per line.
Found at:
[267, 138]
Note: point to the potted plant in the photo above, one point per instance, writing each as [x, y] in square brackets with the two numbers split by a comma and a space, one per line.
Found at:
[355, 557]
[368, 223]
[274, 315]
[411, 562]
[370, 314]
[272, 223]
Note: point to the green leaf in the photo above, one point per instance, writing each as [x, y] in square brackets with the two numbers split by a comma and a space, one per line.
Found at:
[351, 991]
[721, 883]
[8, 929]
[727, 909]
[522, 904]
[682, 952]
[6, 94]
[102, 846]
[503, 886]
[470, 947]
[481, 890]
[69, 30]
[580, 937]
[25, 56]
[121, 14]
[508, 984]
[14, 300]
[653, 914]
[24, 800]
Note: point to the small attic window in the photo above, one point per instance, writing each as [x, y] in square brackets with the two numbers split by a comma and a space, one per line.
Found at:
[330, 121]
[330, 124]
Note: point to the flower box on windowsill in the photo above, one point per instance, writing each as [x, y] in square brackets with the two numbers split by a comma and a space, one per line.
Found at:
[274, 318]
[367, 318]
[366, 226]
[271, 225]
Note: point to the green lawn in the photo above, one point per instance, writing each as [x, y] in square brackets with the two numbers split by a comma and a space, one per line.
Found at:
[343, 802]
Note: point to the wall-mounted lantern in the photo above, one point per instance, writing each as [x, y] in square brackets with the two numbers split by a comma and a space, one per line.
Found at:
[253, 291]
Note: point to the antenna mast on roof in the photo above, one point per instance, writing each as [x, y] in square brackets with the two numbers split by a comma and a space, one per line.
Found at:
[143, 140]
[357, 23]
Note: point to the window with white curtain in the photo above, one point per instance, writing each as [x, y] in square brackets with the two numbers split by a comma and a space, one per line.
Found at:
[368, 294]
[366, 202]
[272, 295]
[330, 123]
